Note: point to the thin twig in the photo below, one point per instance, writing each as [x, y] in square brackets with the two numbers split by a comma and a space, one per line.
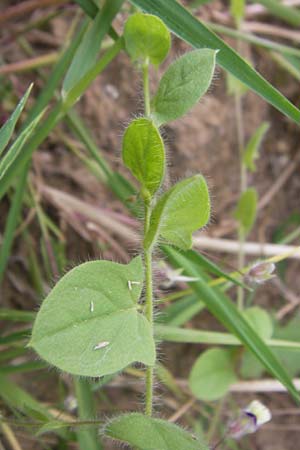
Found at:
[29, 64]
[293, 299]
[181, 411]
[271, 30]
[264, 386]
[281, 180]
[251, 248]
[20, 9]
[11, 438]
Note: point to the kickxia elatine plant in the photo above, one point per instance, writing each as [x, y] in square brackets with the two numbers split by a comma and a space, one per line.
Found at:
[98, 319]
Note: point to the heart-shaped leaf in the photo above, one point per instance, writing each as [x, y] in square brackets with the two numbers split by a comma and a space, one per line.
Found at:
[147, 433]
[212, 374]
[182, 210]
[144, 153]
[183, 84]
[246, 209]
[147, 37]
[90, 325]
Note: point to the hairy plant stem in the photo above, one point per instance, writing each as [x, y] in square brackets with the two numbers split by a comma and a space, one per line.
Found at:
[149, 315]
[146, 87]
[243, 182]
[148, 257]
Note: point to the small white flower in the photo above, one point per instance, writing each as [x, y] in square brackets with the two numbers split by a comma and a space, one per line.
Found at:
[261, 413]
[249, 420]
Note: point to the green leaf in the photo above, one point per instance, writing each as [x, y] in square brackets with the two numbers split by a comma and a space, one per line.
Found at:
[180, 211]
[7, 129]
[227, 313]
[90, 325]
[144, 153]
[147, 37]
[183, 84]
[212, 374]
[147, 433]
[246, 209]
[252, 148]
[250, 367]
[86, 54]
[260, 321]
[191, 30]
[290, 359]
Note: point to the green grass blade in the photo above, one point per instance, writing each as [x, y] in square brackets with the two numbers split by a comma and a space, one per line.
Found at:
[77, 126]
[15, 337]
[289, 63]
[181, 311]
[79, 88]
[55, 115]
[89, 47]
[191, 30]
[227, 313]
[15, 315]
[17, 399]
[176, 334]
[42, 101]
[12, 222]
[16, 148]
[253, 39]
[15, 161]
[286, 13]
[87, 438]
[23, 367]
[212, 268]
[89, 7]
[55, 78]
[8, 128]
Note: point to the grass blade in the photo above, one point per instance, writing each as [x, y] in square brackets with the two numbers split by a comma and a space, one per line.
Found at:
[286, 13]
[176, 334]
[211, 267]
[87, 438]
[15, 315]
[89, 47]
[8, 128]
[253, 39]
[12, 222]
[41, 102]
[89, 7]
[227, 313]
[191, 30]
